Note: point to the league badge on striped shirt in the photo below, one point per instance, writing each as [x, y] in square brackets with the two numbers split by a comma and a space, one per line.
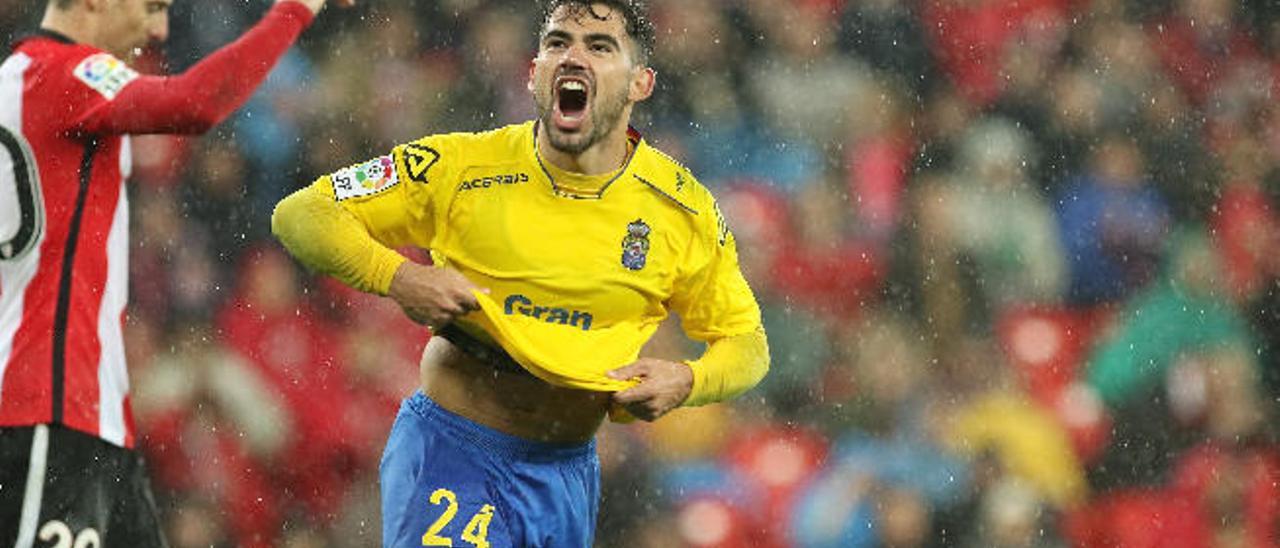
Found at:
[105, 74]
[635, 245]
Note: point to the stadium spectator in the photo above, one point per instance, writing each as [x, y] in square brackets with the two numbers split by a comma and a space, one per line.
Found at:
[1113, 224]
[1200, 43]
[216, 427]
[989, 237]
[887, 34]
[290, 345]
[801, 73]
[1187, 310]
[968, 38]
[1149, 371]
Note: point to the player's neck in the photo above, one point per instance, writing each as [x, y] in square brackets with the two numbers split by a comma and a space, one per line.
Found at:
[603, 157]
[73, 23]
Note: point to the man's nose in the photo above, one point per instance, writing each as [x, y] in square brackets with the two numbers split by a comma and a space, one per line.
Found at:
[572, 66]
[575, 57]
[159, 31]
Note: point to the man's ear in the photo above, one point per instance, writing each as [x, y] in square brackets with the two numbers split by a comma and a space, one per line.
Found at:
[529, 83]
[642, 81]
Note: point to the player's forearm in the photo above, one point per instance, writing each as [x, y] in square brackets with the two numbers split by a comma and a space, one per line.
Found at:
[330, 240]
[208, 92]
[729, 367]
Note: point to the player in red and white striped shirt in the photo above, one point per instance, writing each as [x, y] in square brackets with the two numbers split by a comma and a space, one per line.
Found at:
[67, 105]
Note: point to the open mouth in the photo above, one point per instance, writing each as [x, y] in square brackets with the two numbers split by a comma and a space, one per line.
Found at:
[571, 103]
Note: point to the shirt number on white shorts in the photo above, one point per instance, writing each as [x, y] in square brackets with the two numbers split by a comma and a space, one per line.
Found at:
[60, 534]
[476, 532]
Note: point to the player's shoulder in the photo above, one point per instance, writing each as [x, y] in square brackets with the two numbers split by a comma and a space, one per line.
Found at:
[497, 141]
[64, 64]
[464, 148]
[667, 176]
[418, 158]
[52, 47]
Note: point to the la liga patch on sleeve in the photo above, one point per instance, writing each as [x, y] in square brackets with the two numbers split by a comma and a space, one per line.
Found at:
[367, 179]
[105, 74]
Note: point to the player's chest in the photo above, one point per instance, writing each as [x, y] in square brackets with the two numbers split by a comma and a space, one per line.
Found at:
[509, 222]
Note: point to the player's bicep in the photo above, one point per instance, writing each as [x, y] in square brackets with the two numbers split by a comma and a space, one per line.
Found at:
[142, 104]
[92, 83]
[714, 299]
[114, 99]
[110, 98]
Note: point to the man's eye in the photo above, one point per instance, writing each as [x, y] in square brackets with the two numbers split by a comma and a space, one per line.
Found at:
[601, 48]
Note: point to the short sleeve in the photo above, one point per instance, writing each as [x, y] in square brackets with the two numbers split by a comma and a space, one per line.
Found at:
[394, 196]
[712, 298]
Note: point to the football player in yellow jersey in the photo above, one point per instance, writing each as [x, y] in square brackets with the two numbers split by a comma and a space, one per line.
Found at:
[558, 245]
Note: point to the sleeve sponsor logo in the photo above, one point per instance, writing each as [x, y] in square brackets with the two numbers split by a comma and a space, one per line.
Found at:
[104, 74]
[366, 179]
[418, 160]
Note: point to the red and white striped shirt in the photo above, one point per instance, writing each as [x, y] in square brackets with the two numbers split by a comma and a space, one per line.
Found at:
[65, 112]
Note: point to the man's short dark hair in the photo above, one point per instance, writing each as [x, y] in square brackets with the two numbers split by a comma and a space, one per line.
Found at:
[62, 4]
[634, 12]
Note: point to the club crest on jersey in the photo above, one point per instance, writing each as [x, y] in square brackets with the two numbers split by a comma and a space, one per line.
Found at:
[635, 245]
[365, 179]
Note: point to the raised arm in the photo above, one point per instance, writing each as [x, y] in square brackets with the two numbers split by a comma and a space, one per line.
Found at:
[208, 92]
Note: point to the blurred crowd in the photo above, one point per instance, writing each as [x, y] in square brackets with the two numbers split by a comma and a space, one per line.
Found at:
[1018, 261]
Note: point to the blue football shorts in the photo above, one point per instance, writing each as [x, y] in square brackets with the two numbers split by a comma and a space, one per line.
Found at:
[448, 481]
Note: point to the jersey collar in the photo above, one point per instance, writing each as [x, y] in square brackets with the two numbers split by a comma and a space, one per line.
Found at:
[569, 190]
[43, 33]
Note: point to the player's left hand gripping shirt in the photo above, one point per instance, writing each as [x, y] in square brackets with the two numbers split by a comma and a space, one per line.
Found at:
[579, 279]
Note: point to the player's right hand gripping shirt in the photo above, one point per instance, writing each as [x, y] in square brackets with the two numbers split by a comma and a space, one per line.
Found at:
[579, 278]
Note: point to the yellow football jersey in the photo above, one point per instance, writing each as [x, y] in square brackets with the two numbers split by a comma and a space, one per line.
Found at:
[580, 270]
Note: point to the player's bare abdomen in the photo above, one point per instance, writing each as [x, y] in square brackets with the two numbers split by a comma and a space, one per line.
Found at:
[515, 403]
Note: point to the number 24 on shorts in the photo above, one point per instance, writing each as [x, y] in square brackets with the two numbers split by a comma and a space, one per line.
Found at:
[476, 532]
